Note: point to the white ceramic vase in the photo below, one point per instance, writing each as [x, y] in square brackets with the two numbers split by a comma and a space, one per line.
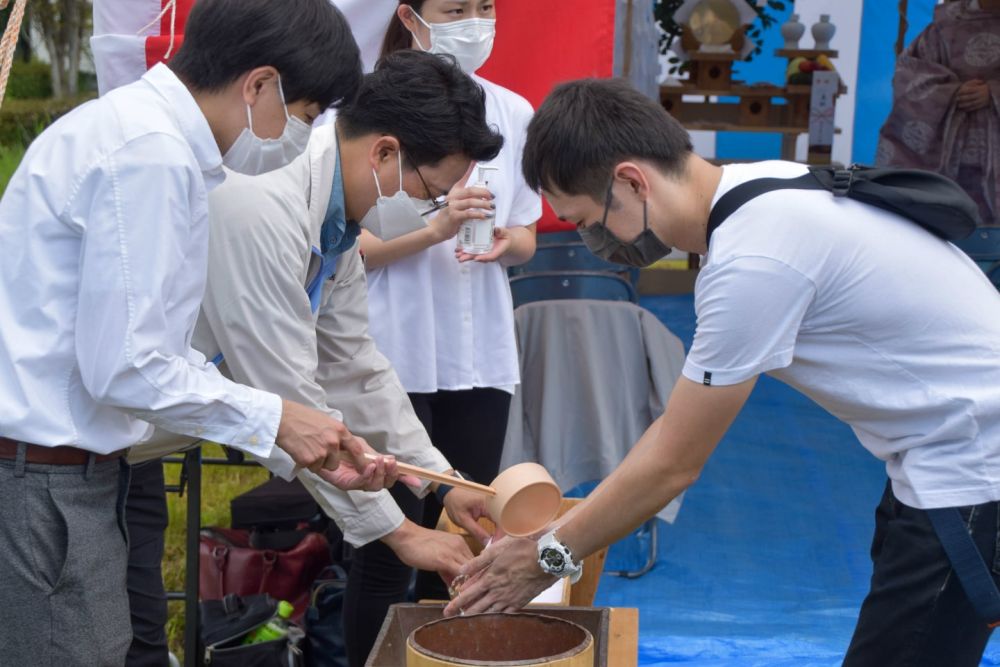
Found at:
[792, 31]
[823, 32]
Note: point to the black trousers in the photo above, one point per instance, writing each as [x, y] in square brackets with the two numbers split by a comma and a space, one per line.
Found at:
[916, 613]
[469, 428]
[146, 517]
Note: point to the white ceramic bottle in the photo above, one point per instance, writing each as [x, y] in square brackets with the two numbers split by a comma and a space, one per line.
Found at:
[823, 32]
[792, 31]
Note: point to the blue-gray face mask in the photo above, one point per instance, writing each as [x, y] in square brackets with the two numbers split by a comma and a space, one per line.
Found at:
[640, 252]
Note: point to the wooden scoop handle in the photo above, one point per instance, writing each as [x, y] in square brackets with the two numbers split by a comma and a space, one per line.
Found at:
[440, 477]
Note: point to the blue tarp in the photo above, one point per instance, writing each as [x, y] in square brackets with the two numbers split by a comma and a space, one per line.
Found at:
[767, 563]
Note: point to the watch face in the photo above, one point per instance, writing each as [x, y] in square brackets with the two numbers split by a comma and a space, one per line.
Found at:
[554, 561]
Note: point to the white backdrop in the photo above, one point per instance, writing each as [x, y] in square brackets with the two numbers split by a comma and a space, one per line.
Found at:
[118, 43]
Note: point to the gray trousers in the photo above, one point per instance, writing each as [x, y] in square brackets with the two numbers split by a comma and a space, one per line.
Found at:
[63, 560]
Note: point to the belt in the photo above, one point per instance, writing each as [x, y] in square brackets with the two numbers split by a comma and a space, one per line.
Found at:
[63, 456]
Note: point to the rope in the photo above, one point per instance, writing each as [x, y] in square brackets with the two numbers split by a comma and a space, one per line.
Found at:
[903, 26]
[168, 6]
[9, 42]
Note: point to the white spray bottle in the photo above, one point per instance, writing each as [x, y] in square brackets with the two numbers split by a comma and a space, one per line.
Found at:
[475, 237]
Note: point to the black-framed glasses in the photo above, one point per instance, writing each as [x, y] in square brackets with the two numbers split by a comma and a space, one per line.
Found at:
[437, 203]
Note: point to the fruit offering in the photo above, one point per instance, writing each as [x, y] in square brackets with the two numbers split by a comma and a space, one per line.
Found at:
[800, 69]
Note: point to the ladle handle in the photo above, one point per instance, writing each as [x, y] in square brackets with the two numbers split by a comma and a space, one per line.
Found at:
[440, 477]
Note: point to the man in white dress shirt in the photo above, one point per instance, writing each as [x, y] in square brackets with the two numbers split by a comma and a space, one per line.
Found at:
[104, 231]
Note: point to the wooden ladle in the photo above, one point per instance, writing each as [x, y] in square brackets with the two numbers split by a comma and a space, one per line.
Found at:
[440, 477]
[522, 499]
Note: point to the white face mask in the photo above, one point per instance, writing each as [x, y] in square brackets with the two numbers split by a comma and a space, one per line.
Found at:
[394, 216]
[252, 155]
[470, 41]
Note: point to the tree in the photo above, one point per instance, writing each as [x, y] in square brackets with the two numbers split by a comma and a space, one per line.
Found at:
[63, 26]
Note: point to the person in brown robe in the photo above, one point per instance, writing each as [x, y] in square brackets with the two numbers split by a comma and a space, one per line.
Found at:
[946, 102]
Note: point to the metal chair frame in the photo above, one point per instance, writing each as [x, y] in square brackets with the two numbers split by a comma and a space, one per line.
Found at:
[572, 281]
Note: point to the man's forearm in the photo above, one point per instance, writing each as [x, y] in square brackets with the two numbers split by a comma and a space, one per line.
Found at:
[640, 487]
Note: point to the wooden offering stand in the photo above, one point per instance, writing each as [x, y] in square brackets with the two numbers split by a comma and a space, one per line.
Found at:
[761, 107]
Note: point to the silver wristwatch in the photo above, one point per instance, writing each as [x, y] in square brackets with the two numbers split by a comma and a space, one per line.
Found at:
[556, 559]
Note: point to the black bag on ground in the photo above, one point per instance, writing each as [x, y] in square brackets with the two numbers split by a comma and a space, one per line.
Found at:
[324, 620]
[931, 200]
[225, 623]
[275, 505]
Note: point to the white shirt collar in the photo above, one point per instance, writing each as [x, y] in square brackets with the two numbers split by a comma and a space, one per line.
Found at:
[192, 122]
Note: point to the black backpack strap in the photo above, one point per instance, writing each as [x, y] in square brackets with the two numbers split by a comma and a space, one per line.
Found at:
[968, 563]
[730, 202]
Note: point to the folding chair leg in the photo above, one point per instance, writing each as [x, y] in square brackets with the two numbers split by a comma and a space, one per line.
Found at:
[192, 465]
[651, 526]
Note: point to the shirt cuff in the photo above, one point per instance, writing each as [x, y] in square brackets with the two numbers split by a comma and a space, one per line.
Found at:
[377, 515]
[428, 457]
[278, 463]
[260, 430]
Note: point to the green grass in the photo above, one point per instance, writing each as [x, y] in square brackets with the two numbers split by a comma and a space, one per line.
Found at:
[10, 157]
[219, 485]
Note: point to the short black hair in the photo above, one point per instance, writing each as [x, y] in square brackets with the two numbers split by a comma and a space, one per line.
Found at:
[584, 128]
[428, 103]
[309, 42]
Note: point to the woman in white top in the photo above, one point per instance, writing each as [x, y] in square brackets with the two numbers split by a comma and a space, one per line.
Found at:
[444, 318]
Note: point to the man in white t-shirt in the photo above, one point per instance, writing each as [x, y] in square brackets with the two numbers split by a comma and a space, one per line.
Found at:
[891, 329]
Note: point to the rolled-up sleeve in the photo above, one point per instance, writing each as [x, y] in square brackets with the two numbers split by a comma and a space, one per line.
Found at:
[140, 278]
[361, 516]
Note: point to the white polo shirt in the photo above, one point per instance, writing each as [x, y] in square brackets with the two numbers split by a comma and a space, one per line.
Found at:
[892, 330]
[450, 325]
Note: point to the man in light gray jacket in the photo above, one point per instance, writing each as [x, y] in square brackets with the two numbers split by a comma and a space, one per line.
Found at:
[286, 303]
